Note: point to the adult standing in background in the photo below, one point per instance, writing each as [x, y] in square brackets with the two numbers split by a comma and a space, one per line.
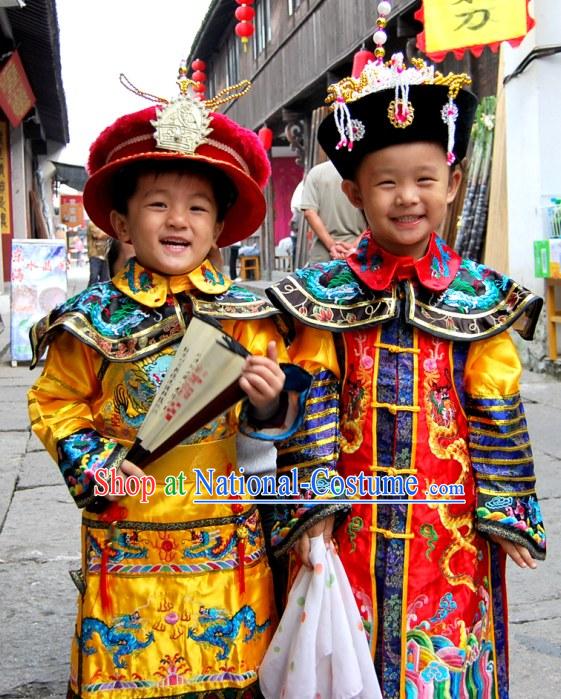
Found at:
[98, 246]
[296, 219]
[335, 222]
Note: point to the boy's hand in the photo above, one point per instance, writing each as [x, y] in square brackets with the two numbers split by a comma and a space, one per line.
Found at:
[127, 468]
[303, 546]
[339, 251]
[263, 380]
[519, 554]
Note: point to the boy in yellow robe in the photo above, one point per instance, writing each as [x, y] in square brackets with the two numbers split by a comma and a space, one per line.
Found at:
[176, 599]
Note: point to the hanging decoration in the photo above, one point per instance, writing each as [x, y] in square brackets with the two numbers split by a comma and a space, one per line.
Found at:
[350, 129]
[363, 57]
[199, 77]
[380, 37]
[244, 14]
[265, 135]
[470, 25]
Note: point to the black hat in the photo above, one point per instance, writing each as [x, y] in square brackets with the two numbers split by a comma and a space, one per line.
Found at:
[389, 105]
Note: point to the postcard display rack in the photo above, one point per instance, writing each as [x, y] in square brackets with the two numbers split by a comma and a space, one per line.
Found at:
[38, 284]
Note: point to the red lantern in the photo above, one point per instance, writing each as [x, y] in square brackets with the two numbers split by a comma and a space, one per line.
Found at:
[265, 135]
[360, 59]
[244, 30]
[198, 64]
[245, 13]
[199, 76]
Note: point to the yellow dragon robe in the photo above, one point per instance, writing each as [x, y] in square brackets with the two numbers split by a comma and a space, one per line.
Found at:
[185, 618]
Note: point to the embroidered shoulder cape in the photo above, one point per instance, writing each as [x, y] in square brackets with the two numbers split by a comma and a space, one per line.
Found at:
[130, 316]
[441, 293]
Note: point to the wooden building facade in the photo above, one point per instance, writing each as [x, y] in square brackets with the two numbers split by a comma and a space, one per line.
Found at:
[33, 121]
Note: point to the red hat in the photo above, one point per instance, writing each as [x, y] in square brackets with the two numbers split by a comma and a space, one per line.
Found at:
[183, 129]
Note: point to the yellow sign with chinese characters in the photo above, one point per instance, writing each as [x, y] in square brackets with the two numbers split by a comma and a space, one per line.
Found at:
[16, 95]
[458, 25]
[5, 181]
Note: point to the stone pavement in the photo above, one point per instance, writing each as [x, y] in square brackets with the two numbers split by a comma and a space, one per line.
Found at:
[40, 542]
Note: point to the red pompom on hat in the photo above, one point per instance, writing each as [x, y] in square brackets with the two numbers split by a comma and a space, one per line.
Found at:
[183, 129]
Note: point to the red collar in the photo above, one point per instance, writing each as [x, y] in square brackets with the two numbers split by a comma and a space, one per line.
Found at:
[378, 268]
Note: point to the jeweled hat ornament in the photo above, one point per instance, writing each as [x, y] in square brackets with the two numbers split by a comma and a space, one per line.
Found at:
[184, 128]
[390, 103]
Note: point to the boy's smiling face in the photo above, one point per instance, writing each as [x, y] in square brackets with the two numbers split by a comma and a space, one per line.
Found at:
[171, 221]
[404, 191]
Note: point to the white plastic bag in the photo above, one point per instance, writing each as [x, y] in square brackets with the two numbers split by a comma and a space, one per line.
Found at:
[320, 649]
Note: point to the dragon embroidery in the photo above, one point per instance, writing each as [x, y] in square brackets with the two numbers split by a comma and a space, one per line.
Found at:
[356, 398]
[110, 312]
[474, 288]
[218, 547]
[133, 397]
[445, 444]
[124, 545]
[116, 639]
[221, 631]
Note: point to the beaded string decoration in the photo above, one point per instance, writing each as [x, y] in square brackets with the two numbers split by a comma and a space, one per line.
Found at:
[380, 37]
[400, 111]
[228, 94]
[449, 114]
[351, 130]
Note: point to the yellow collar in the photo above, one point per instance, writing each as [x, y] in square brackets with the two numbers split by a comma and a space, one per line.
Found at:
[152, 289]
